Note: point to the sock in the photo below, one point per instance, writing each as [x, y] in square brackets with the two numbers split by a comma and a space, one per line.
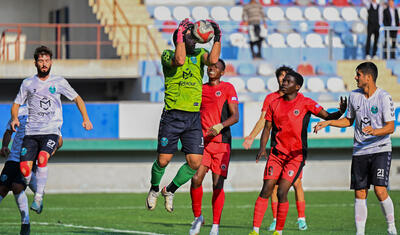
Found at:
[256, 229]
[157, 173]
[388, 210]
[301, 206]
[283, 209]
[197, 196]
[218, 200]
[172, 187]
[361, 213]
[41, 178]
[33, 183]
[274, 207]
[27, 179]
[1, 198]
[259, 211]
[22, 201]
[215, 228]
[184, 174]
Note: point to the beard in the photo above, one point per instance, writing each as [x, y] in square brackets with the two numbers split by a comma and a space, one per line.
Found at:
[42, 74]
[190, 45]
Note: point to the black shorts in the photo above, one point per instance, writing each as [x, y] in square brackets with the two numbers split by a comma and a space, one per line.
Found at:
[33, 144]
[186, 126]
[370, 169]
[11, 174]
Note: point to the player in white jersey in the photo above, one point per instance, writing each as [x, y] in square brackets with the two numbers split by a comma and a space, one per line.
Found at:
[42, 93]
[372, 109]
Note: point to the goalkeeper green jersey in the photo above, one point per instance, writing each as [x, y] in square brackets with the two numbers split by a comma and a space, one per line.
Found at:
[183, 84]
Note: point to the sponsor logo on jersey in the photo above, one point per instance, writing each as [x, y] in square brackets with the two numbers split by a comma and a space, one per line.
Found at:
[187, 73]
[374, 109]
[270, 171]
[193, 59]
[364, 123]
[3, 178]
[34, 90]
[296, 112]
[23, 151]
[45, 104]
[234, 98]
[218, 93]
[223, 167]
[164, 141]
[195, 104]
[52, 89]
[290, 173]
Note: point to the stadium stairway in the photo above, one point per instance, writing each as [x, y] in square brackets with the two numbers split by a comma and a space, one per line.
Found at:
[135, 42]
[386, 80]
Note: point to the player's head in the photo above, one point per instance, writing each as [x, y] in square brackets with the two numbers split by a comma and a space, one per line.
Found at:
[366, 72]
[190, 41]
[216, 71]
[43, 62]
[292, 82]
[391, 3]
[280, 74]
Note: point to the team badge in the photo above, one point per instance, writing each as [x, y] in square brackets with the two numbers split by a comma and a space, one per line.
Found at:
[164, 141]
[374, 109]
[52, 89]
[3, 178]
[218, 93]
[193, 59]
[223, 167]
[296, 112]
[23, 151]
[291, 173]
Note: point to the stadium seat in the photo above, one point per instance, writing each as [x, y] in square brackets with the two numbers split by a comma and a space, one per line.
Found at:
[336, 41]
[169, 26]
[236, 13]
[230, 70]
[152, 84]
[314, 40]
[321, 27]
[303, 27]
[349, 14]
[312, 14]
[303, 2]
[243, 27]
[335, 84]
[294, 40]
[237, 39]
[286, 2]
[340, 27]
[284, 27]
[275, 14]
[181, 12]
[321, 2]
[315, 84]
[325, 69]
[364, 14]
[276, 40]
[358, 27]
[331, 14]
[219, 14]
[294, 14]
[255, 84]
[305, 69]
[357, 2]
[265, 69]
[162, 13]
[238, 83]
[247, 69]
[340, 3]
[272, 84]
[267, 2]
[200, 13]
[157, 97]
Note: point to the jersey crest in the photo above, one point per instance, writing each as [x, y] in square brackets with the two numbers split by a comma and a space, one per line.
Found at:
[193, 59]
[52, 89]
[374, 109]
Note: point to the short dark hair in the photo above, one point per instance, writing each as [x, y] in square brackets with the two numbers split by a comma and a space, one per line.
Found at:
[299, 79]
[368, 68]
[223, 64]
[281, 69]
[42, 50]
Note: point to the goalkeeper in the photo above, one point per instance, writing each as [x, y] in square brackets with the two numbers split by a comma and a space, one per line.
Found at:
[183, 72]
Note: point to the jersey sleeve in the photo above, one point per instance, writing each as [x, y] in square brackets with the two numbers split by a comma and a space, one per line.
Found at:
[265, 104]
[67, 90]
[313, 106]
[350, 108]
[166, 58]
[268, 115]
[388, 108]
[22, 94]
[232, 96]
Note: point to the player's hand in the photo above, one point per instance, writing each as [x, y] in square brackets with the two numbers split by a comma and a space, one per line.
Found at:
[4, 151]
[343, 104]
[368, 130]
[217, 30]
[261, 153]
[87, 125]
[14, 123]
[320, 125]
[185, 25]
[215, 130]
[248, 141]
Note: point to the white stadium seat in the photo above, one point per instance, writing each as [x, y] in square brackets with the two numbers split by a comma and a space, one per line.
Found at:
[358, 27]
[276, 40]
[335, 84]
[336, 41]
[272, 84]
[364, 14]
[315, 84]
[236, 13]
[238, 40]
[219, 14]
[331, 14]
[238, 83]
[314, 40]
[180, 13]
[321, 2]
[275, 14]
[284, 27]
[255, 84]
[303, 27]
[162, 13]
[265, 69]
[200, 13]
[312, 14]
[294, 13]
[349, 14]
[295, 40]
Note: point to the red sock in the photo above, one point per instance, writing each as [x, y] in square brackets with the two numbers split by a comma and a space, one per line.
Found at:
[301, 207]
[274, 207]
[259, 211]
[197, 196]
[218, 200]
[283, 209]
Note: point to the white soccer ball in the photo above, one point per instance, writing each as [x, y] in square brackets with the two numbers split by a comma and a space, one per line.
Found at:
[203, 31]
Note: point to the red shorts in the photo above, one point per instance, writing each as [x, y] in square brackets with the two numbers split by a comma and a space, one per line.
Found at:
[281, 166]
[216, 157]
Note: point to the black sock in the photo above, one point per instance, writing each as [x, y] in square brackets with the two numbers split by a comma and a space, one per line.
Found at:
[172, 187]
[155, 188]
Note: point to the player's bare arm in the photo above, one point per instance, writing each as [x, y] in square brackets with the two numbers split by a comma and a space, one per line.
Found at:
[213, 56]
[233, 118]
[4, 145]
[385, 130]
[248, 140]
[82, 108]
[14, 116]
[343, 122]
[262, 152]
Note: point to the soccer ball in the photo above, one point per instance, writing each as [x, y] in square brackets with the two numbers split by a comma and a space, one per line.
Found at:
[203, 31]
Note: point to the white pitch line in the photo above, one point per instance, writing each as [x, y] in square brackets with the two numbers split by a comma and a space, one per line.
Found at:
[88, 227]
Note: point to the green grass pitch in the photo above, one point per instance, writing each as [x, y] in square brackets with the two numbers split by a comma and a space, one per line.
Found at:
[326, 212]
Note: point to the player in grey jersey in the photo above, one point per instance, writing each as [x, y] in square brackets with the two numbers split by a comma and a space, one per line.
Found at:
[42, 94]
[372, 109]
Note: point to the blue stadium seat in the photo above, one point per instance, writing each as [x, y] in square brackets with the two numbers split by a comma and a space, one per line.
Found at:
[340, 27]
[152, 84]
[247, 69]
[325, 69]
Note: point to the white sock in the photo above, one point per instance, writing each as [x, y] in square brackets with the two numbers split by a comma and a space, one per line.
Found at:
[27, 179]
[301, 218]
[22, 201]
[256, 229]
[215, 227]
[41, 178]
[361, 213]
[388, 210]
[1, 198]
[33, 182]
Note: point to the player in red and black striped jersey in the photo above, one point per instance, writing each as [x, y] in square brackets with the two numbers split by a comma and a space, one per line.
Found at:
[219, 111]
[288, 117]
